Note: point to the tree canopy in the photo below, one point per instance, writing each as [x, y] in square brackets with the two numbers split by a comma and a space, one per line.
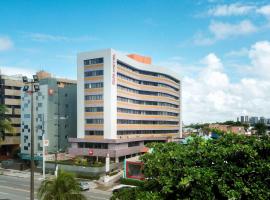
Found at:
[260, 128]
[5, 123]
[230, 167]
[62, 187]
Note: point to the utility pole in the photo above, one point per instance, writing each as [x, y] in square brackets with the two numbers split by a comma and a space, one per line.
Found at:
[34, 88]
[32, 143]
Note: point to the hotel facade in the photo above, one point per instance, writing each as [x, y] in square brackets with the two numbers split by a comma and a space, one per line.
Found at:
[124, 102]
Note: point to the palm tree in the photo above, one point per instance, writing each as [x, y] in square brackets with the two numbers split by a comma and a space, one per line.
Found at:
[5, 123]
[62, 187]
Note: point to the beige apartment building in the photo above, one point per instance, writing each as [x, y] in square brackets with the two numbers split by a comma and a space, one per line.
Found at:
[10, 95]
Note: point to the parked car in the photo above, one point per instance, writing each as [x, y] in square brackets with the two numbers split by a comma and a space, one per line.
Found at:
[121, 187]
[84, 186]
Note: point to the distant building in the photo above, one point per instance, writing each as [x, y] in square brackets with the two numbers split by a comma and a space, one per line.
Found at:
[10, 96]
[228, 128]
[242, 119]
[253, 120]
[55, 115]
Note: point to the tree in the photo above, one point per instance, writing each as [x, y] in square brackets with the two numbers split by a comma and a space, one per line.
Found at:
[260, 128]
[230, 167]
[5, 123]
[62, 187]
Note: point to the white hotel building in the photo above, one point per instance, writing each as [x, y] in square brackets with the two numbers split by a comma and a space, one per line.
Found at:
[124, 102]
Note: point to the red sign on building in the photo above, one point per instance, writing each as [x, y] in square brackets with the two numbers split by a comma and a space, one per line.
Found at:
[90, 152]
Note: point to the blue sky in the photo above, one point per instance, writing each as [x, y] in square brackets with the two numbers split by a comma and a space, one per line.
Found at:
[185, 36]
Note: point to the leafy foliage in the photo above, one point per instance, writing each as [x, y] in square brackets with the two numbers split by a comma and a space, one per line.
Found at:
[62, 187]
[260, 128]
[128, 181]
[231, 167]
[5, 123]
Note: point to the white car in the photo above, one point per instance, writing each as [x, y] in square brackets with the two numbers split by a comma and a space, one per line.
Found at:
[84, 186]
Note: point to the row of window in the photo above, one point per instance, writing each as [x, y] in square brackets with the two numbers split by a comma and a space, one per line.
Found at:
[13, 106]
[146, 72]
[145, 112]
[93, 145]
[131, 132]
[87, 132]
[143, 92]
[93, 109]
[134, 144]
[126, 121]
[93, 61]
[12, 87]
[145, 82]
[94, 97]
[94, 121]
[12, 97]
[155, 103]
[93, 73]
[93, 85]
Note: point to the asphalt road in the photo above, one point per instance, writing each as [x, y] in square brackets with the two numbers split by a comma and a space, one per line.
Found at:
[14, 188]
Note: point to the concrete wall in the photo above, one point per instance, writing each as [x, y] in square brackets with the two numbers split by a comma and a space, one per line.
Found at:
[81, 169]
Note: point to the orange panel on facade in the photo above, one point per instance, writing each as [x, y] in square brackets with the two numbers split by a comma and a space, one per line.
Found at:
[141, 59]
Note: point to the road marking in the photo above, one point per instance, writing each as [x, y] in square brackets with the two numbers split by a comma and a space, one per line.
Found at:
[3, 193]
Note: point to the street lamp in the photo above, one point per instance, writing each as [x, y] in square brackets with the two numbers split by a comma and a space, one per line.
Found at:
[34, 88]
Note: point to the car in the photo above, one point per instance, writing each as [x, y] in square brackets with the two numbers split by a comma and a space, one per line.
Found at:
[84, 186]
[121, 188]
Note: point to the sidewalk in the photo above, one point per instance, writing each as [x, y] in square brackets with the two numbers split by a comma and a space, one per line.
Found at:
[18, 173]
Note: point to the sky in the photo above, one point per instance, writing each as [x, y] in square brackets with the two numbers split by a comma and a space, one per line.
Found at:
[221, 49]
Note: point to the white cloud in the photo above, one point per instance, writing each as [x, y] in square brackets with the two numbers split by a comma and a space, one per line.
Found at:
[41, 37]
[209, 95]
[5, 43]
[220, 31]
[264, 10]
[224, 30]
[239, 53]
[24, 71]
[230, 10]
[260, 57]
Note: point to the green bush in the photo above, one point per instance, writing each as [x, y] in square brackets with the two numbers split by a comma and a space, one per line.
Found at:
[128, 181]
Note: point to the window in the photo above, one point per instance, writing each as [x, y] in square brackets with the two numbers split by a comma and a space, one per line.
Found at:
[94, 121]
[143, 92]
[93, 61]
[94, 97]
[93, 145]
[130, 132]
[26, 116]
[134, 101]
[133, 144]
[93, 132]
[123, 65]
[145, 112]
[93, 73]
[93, 85]
[93, 109]
[125, 121]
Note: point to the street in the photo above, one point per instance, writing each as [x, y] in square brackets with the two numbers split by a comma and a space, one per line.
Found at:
[15, 188]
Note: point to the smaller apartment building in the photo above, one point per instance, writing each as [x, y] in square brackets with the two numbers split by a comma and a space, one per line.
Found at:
[55, 115]
[124, 102]
[10, 96]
